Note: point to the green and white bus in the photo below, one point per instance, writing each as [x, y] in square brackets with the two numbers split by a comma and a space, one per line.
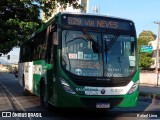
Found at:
[83, 61]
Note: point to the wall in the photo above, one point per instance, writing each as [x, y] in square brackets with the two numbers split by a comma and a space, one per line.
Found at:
[149, 78]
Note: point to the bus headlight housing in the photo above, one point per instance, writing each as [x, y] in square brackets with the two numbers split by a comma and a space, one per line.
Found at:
[134, 87]
[67, 87]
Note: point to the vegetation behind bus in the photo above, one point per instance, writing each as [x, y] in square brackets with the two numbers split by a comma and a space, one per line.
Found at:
[145, 58]
[21, 18]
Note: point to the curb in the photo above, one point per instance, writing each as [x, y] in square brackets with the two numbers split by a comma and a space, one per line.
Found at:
[149, 95]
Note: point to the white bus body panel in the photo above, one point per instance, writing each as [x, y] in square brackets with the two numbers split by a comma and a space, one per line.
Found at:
[20, 73]
[26, 69]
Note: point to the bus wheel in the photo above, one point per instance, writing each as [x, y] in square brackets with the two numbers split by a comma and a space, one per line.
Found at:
[44, 97]
[25, 91]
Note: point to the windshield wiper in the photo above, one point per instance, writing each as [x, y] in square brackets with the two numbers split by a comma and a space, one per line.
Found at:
[77, 38]
[111, 43]
[95, 45]
[71, 40]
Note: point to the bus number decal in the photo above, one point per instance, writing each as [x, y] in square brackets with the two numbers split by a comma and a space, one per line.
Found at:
[74, 21]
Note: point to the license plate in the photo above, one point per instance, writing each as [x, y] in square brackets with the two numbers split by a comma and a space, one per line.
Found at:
[102, 105]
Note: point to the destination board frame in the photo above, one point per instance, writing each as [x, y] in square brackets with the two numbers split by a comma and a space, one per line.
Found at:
[96, 21]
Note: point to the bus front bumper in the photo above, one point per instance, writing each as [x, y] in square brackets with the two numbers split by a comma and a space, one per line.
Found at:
[85, 101]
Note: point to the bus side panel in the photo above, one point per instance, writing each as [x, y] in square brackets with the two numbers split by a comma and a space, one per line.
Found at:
[132, 99]
[20, 73]
[38, 74]
[28, 75]
[25, 72]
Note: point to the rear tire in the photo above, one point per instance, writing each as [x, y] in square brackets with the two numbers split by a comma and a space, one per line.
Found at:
[25, 91]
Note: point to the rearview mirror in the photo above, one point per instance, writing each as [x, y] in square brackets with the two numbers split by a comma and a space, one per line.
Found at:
[55, 38]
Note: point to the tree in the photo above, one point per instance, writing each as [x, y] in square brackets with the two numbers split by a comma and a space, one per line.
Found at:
[143, 39]
[19, 18]
[147, 35]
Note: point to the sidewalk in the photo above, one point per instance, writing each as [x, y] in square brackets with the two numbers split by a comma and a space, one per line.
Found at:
[150, 91]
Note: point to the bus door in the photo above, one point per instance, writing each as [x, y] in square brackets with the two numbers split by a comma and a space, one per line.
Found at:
[28, 75]
[51, 60]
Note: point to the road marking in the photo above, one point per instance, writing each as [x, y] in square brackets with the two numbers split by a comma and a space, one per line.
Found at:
[15, 100]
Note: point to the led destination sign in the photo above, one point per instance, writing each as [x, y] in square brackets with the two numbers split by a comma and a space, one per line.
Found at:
[96, 21]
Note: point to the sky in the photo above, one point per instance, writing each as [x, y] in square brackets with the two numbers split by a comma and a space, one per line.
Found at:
[14, 56]
[142, 12]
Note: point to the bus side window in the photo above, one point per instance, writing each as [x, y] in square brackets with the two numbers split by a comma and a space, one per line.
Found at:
[50, 50]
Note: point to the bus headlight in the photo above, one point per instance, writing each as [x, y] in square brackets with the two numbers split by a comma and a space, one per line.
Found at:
[67, 87]
[134, 87]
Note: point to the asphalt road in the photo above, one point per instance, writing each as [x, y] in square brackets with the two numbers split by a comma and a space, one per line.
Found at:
[12, 100]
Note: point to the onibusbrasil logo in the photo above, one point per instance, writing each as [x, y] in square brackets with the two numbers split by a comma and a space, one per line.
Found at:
[21, 114]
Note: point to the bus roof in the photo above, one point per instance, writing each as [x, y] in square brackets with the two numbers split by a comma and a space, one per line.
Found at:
[45, 25]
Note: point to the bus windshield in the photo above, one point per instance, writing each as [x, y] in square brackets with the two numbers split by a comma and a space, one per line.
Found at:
[87, 53]
[119, 55]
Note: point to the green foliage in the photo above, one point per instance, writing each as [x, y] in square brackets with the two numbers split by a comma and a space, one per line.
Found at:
[48, 6]
[20, 18]
[147, 35]
[145, 58]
